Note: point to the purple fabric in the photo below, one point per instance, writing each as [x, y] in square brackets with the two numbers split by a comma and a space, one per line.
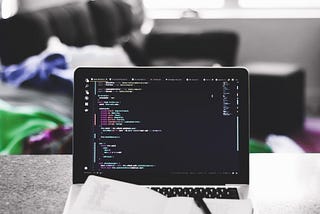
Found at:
[50, 141]
[47, 72]
[49, 135]
[309, 138]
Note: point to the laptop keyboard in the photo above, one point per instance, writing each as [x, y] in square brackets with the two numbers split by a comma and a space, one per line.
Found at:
[223, 193]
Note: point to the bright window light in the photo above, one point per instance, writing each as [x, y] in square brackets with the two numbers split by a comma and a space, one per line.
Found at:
[183, 4]
[279, 3]
[8, 8]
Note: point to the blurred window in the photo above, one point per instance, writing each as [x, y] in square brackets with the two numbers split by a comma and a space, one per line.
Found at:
[163, 9]
[286, 4]
[213, 4]
[183, 4]
[8, 8]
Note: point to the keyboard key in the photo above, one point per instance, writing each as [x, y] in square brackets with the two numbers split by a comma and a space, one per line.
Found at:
[225, 193]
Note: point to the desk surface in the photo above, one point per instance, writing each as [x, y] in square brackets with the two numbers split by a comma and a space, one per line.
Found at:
[279, 183]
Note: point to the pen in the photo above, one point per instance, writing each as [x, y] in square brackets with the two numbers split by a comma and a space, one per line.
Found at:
[202, 205]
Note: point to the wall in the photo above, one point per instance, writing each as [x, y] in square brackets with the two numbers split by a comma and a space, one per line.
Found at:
[276, 40]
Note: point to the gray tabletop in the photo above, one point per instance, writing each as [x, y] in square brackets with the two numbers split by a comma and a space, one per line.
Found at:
[279, 183]
[34, 184]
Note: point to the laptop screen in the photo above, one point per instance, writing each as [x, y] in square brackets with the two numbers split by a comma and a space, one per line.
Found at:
[161, 125]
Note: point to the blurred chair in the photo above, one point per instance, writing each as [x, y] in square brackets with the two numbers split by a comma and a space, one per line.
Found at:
[106, 23]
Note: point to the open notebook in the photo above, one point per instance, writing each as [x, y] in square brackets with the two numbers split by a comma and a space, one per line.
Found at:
[102, 195]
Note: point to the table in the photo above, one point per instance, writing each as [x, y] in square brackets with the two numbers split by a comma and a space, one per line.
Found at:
[285, 183]
[34, 183]
[279, 183]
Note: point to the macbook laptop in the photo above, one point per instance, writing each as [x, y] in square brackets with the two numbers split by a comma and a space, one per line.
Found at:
[181, 131]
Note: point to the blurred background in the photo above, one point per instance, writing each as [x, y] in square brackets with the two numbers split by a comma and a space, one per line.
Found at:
[41, 42]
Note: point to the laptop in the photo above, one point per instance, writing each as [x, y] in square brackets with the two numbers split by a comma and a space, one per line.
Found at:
[180, 131]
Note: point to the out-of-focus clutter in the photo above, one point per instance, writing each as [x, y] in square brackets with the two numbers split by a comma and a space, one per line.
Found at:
[256, 146]
[277, 98]
[42, 72]
[52, 69]
[31, 130]
[41, 48]
[276, 144]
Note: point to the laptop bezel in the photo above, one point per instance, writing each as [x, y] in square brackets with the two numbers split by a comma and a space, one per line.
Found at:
[79, 152]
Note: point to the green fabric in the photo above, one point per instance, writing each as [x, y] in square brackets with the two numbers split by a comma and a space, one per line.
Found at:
[256, 146]
[17, 123]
